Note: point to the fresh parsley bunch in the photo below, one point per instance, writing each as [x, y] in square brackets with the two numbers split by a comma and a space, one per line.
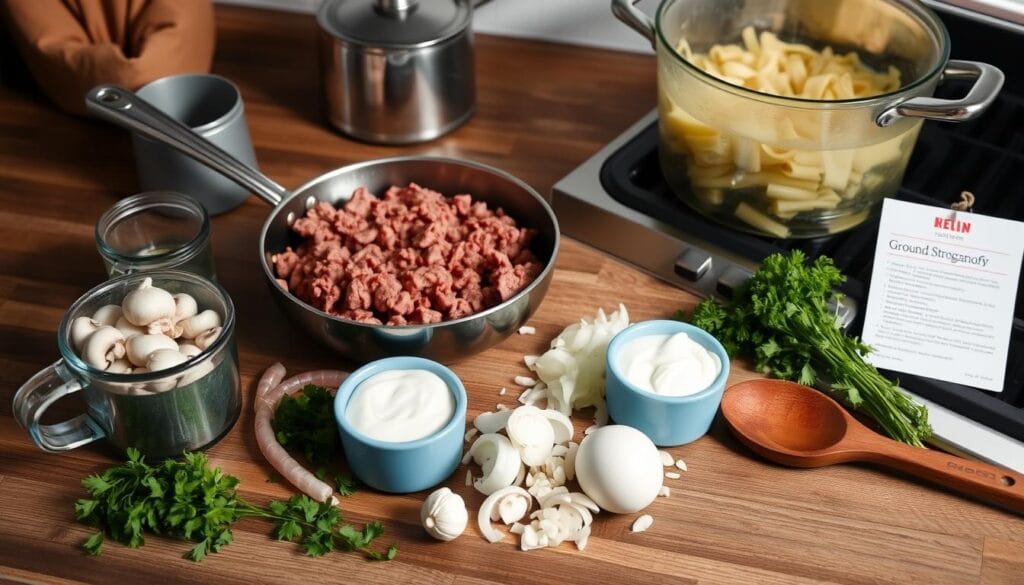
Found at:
[781, 319]
[189, 499]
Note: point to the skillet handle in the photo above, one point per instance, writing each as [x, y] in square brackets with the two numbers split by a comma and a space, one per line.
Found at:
[122, 107]
[634, 18]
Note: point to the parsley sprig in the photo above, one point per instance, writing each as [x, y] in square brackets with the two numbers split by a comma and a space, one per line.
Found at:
[781, 319]
[304, 423]
[189, 499]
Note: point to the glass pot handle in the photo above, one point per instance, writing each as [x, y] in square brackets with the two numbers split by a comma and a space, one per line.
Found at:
[634, 18]
[36, 395]
[989, 80]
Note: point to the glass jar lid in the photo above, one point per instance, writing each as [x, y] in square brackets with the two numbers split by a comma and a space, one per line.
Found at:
[394, 23]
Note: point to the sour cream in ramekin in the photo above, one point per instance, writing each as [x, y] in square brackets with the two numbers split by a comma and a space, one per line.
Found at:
[669, 365]
[400, 405]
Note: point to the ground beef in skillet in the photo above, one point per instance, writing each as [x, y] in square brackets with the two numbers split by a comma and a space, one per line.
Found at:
[411, 256]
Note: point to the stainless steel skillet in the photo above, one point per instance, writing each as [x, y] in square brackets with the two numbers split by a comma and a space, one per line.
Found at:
[447, 341]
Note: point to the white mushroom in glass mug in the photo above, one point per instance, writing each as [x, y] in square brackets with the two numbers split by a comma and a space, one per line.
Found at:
[200, 323]
[129, 330]
[189, 350]
[120, 366]
[107, 315]
[195, 372]
[147, 304]
[185, 306]
[81, 329]
[104, 347]
[206, 338]
[141, 346]
[163, 359]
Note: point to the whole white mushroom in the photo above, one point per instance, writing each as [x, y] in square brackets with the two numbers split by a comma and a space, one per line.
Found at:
[104, 347]
[141, 346]
[148, 303]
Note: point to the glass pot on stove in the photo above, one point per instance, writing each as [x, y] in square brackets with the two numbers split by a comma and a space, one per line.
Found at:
[795, 118]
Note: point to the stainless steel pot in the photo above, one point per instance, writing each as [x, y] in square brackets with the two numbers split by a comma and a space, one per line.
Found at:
[396, 71]
[446, 341]
[798, 166]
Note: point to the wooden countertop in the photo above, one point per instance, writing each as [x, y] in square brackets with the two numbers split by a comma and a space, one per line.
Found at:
[542, 109]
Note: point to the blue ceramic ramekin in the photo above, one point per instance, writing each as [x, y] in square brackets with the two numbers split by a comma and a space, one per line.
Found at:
[408, 466]
[666, 420]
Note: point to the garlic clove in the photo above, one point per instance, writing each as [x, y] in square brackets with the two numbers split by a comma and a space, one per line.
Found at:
[200, 323]
[107, 315]
[147, 303]
[206, 338]
[81, 329]
[129, 330]
[141, 346]
[444, 515]
[105, 346]
[185, 306]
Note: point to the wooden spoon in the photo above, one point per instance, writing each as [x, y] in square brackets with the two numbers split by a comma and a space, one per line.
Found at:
[798, 426]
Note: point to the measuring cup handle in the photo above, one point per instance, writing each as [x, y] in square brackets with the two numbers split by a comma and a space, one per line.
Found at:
[36, 395]
[988, 82]
[126, 109]
[634, 18]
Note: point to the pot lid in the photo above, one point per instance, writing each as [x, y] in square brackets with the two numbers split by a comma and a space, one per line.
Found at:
[394, 23]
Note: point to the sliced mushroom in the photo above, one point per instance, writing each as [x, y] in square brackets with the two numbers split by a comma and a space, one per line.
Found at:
[104, 347]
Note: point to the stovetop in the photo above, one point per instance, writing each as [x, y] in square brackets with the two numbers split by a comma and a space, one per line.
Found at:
[619, 202]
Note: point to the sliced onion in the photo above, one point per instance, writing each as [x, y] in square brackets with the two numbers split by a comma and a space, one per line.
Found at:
[581, 537]
[512, 508]
[530, 430]
[560, 424]
[582, 500]
[491, 422]
[498, 460]
[484, 515]
[570, 461]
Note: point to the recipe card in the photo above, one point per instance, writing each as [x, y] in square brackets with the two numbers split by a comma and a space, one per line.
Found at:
[942, 294]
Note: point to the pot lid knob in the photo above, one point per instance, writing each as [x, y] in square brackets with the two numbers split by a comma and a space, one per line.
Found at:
[397, 24]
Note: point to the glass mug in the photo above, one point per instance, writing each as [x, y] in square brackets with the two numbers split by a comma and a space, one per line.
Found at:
[157, 230]
[161, 424]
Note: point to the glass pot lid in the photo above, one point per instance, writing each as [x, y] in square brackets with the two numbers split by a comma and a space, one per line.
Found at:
[394, 23]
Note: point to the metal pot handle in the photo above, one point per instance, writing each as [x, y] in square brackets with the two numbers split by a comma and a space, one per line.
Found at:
[126, 109]
[989, 80]
[36, 395]
[625, 11]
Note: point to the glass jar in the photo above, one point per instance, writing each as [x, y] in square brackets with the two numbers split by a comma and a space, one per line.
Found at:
[157, 230]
